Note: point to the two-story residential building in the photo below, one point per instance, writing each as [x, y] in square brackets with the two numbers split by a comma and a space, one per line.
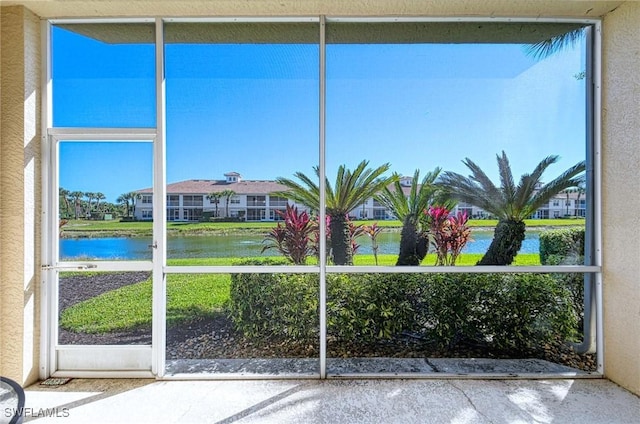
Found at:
[232, 197]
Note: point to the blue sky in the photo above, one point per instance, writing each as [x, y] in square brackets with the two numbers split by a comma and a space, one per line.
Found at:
[254, 109]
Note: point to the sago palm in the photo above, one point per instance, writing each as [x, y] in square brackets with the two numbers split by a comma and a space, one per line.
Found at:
[409, 210]
[510, 203]
[351, 189]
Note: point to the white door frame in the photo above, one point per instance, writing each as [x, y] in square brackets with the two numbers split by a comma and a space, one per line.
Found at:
[85, 360]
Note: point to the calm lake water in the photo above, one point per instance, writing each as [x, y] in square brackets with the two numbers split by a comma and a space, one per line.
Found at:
[137, 248]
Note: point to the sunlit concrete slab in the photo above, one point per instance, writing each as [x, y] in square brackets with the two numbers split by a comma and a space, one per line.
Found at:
[331, 401]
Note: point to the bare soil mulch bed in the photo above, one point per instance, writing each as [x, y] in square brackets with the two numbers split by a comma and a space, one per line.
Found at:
[215, 337]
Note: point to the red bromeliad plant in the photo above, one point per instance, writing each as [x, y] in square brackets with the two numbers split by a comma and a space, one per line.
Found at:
[293, 239]
[372, 231]
[355, 231]
[299, 236]
[449, 234]
[457, 235]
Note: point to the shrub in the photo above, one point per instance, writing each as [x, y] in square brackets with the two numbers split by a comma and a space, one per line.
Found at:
[285, 306]
[367, 307]
[264, 306]
[506, 311]
[502, 311]
[566, 247]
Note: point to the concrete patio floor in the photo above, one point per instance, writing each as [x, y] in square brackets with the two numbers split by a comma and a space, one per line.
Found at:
[333, 401]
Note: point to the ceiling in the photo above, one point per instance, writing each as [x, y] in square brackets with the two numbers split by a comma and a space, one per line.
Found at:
[196, 8]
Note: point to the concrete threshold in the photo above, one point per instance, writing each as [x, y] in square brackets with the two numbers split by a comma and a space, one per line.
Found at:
[369, 366]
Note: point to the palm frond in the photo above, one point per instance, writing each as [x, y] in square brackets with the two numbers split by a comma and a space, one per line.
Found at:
[351, 188]
[484, 182]
[359, 185]
[528, 186]
[572, 177]
[394, 201]
[506, 182]
[546, 48]
[465, 189]
[307, 194]
[509, 202]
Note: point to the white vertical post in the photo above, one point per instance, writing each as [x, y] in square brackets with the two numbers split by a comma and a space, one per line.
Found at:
[596, 36]
[159, 213]
[322, 212]
[47, 228]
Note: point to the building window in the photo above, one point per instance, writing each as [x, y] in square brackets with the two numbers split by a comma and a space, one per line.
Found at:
[379, 214]
[146, 198]
[192, 214]
[256, 214]
[173, 200]
[256, 201]
[188, 200]
[277, 201]
[173, 214]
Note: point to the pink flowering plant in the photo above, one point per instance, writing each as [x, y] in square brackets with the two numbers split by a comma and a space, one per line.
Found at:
[449, 234]
[293, 237]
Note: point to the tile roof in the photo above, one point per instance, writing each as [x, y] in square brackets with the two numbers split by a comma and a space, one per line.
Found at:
[217, 186]
[242, 187]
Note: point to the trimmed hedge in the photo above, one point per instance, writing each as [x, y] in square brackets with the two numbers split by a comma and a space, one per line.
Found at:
[505, 311]
[566, 247]
[562, 247]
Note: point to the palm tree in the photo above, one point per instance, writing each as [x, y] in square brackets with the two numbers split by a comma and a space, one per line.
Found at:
[568, 201]
[99, 196]
[77, 202]
[414, 240]
[124, 200]
[63, 195]
[351, 189]
[215, 199]
[511, 204]
[90, 196]
[227, 194]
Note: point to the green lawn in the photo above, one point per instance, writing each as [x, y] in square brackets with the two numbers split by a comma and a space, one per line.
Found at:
[190, 296]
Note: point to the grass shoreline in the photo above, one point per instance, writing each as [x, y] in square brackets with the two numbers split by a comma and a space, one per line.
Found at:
[99, 229]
